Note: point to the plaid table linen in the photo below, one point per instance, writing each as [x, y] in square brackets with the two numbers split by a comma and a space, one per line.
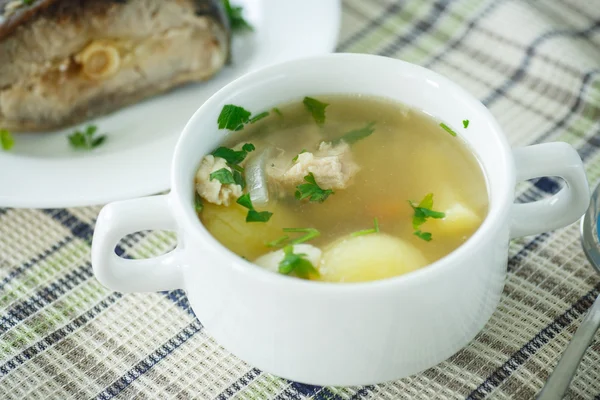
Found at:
[535, 64]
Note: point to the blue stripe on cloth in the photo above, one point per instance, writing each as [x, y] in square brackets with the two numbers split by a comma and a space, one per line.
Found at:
[58, 334]
[529, 53]
[585, 83]
[531, 347]
[179, 297]
[78, 228]
[453, 44]
[547, 185]
[24, 267]
[44, 297]
[288, 394]
[327, 394]
[362, 392]
[236, 386]
[150, 361]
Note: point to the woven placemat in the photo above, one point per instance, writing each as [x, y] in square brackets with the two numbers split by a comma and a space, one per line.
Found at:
[536, 65]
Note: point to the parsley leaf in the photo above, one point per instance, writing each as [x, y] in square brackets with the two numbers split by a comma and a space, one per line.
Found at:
[236, 19]
[232, 156]
[368, 231]
[296, 263]
[422, 211]
[28, 2]
[6, 139]
[253, 215]
[296, 158]
[447, 129]
[223, 175]
[277, 111]
[198, 205]
[258, 216]
[248, 147]
[258, 117]
[277, 242]
[233, 117]
[244, 201]
[316, 108]
[239, 178]
[426, 236]
[465, 123]
[357, 134]
[311, 233]
[86, 140]
[311, 190]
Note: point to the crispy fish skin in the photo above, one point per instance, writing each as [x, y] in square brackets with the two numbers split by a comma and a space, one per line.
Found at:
[65, 61]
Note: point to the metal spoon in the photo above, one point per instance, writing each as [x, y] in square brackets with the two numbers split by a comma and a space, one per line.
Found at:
[559, 381]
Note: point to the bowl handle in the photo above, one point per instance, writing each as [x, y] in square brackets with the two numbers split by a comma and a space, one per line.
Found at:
[124, 275]
[561, 209]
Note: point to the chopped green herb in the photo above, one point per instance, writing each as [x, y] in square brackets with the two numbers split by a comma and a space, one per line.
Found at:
[426, 236]
[28, 2]
[236, 19]
[259, 117]
[244, 201]
[223, 175]
[6, 139]
[248, 147]
[198, 205]
[233, 117]
[277, 111]
[296, 158]
[258, 216]
[296, 263]
[239, 178]
[253, 215]
[357, 134]
[234, 157]
[86, 140]
[368, 231]
[277, 242]
[311, 190]
[316, 108]
[447, 129]
[465, 123]
[423, 211]
[311, 233]
[236, 167]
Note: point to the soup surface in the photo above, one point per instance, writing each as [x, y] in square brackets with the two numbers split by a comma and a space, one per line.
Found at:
[341, 188]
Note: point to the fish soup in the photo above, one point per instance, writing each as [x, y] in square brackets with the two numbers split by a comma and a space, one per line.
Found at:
[340, 188]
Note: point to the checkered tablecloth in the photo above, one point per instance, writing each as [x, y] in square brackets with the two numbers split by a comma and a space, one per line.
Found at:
[535, 64]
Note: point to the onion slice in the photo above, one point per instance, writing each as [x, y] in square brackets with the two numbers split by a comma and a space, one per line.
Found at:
[256, 177]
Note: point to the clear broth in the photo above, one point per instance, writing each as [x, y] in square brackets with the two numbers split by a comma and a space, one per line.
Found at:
[408, 156]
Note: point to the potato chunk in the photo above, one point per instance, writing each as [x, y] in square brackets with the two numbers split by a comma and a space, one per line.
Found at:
[369, 258]
[228, 225]
[460, 220]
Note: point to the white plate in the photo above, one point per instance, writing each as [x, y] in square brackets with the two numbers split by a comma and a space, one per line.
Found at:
[42, 170]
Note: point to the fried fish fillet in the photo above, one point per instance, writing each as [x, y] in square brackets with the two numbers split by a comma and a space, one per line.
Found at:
[65, 61]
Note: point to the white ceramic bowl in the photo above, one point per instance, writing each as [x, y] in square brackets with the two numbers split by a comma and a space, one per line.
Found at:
[354, 333]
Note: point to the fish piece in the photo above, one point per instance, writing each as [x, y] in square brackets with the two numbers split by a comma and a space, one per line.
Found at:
[214, 191]
[65, 61]
[332, 166]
